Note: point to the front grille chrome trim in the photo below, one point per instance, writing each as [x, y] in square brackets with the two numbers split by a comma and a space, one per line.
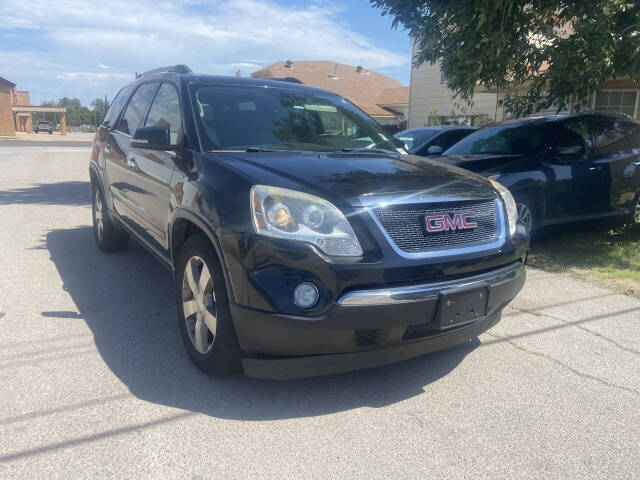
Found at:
[499, 241]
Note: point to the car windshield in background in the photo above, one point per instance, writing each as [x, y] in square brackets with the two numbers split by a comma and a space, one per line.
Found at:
[241, 117]
[503, 140]
[415, 138]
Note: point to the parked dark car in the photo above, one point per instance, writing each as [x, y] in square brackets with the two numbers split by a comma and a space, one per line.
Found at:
[560, 168]
[296, 251]
[432, 141]
[43, 127]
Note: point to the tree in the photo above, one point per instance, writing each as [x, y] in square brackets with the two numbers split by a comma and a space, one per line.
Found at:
[560, 50]
[434, 118]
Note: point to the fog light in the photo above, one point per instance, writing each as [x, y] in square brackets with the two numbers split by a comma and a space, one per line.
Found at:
[305, 295]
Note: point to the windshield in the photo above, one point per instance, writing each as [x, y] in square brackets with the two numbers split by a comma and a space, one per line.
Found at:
[415, 138]
[240, 117]
[505, 140]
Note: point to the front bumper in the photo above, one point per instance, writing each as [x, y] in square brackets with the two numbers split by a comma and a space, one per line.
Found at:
[366, 328]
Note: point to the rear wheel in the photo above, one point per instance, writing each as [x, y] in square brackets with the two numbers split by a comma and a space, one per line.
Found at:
[203, 309]
[108, 236]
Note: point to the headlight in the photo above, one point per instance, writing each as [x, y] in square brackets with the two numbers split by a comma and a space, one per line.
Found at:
[510, 204]
[292, 215]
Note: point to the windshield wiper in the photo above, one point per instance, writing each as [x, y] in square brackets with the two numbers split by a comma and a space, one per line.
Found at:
[265, 149]
[372, 150]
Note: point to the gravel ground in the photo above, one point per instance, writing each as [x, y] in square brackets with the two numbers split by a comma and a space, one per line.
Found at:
[94, 381]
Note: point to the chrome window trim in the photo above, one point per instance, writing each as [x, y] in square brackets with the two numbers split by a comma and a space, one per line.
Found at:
[399, 295]
[370, 202]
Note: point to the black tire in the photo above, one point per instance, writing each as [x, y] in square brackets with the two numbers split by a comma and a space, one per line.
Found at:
[525, 204]
[223, 354]
[109, 237]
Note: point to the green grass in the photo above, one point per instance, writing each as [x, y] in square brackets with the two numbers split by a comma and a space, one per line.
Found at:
[597, 252]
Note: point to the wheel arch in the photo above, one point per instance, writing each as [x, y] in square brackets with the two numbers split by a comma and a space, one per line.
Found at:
[185, 224]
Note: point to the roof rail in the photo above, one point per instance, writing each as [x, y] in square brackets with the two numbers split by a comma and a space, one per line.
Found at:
[170, 69]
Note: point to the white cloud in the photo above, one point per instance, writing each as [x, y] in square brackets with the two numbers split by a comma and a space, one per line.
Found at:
[219, 36]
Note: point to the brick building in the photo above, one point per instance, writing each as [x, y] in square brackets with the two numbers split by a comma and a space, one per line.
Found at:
[16, 111]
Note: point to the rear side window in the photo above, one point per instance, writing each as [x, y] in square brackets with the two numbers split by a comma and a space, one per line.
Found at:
[611, 136]
[137, 108]
[448, 139]
[165, 110]
[116, 106]
[633, 131]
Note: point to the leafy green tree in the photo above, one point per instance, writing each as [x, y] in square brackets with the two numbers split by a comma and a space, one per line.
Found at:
[434, 118]
[560, 50]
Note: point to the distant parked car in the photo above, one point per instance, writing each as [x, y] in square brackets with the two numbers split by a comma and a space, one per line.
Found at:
[428, 141]
[559, 168]
[44, 127]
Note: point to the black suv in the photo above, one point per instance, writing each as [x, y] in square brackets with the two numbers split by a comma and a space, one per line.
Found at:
[559, 168]
[303, 239]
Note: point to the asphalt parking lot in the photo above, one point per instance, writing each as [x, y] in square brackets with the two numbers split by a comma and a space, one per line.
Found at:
[94, 381]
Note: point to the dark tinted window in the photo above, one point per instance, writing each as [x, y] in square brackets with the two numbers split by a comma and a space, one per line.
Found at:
[165, 110]
[575, 133]
[237, 117]
[610, 136]
[116, 106]
[448, 139]
[633, 131]
[415, 138]
[137, 108]
[504, 139]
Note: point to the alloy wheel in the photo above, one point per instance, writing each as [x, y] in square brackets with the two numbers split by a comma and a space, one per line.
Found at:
[199, 304]
[636, 213]
[98, 212]
[525, 216]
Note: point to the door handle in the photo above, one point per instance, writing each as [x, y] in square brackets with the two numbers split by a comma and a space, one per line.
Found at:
[594, 169]
[132, 164]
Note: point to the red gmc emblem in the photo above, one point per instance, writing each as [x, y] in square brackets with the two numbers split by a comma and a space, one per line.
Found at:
[442, 223]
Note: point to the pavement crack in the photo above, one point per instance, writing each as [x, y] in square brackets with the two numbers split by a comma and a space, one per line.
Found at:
[568, 322]
[564, 365]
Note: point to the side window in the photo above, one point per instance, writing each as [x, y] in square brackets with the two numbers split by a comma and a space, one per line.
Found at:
[116, 106]
[451, 138]
[136, 108]
[165, 110]
[633, 133]
[575, 135]
[611, 136]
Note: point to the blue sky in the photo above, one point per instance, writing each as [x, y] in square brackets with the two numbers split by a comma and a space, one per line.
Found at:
[88, 49]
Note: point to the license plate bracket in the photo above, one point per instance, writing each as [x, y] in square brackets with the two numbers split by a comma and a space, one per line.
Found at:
[461, 305]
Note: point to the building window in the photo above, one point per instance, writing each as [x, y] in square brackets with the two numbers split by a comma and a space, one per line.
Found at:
[617, 101]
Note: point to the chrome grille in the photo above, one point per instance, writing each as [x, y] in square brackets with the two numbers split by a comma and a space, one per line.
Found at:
[405, 225]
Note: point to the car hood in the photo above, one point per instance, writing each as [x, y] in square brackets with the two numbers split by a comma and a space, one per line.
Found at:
[345, 177]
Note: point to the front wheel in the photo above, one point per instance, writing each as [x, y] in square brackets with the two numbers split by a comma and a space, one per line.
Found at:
[527, 215]
[635, 210]
[203, 309]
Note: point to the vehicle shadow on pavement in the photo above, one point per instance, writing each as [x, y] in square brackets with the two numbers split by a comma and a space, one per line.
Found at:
[60, 193]
[127, 300]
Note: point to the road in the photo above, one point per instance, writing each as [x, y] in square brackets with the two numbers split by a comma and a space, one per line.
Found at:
[94, 381]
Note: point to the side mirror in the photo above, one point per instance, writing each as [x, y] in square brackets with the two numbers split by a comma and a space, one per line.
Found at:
[434, 150]
[156, 137]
